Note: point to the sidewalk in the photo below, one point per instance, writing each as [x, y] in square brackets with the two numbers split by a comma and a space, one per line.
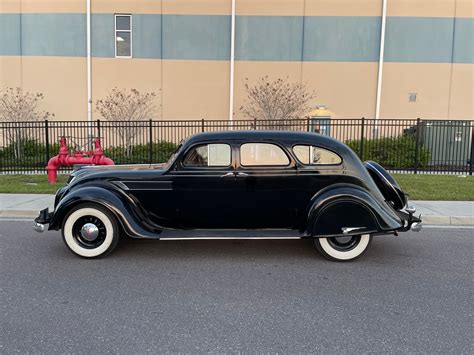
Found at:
[434, 212]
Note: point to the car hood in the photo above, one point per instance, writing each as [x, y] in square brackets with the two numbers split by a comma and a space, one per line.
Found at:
[114, 172]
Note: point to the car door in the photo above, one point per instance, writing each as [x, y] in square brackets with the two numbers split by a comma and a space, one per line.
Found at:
[317, 169]
[267, 180]
[204, 187]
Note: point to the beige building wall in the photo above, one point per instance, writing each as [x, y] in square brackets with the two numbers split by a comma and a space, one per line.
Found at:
[62, 81]
[461, 92]
[430, 81]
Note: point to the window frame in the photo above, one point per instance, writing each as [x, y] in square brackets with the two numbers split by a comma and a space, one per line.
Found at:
[290, 160]
[199, 144]
[316, 146]
[129, 31]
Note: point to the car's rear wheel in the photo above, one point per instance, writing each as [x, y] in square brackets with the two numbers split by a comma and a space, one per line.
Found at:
[90, 231]
[344, 248]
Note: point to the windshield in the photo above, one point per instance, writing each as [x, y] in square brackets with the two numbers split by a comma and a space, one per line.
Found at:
[173, 156]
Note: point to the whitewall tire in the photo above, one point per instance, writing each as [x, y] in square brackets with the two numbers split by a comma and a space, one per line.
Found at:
[90, 231]
[343, 248]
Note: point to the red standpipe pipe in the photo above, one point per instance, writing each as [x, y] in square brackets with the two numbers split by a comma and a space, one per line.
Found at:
[63, 158]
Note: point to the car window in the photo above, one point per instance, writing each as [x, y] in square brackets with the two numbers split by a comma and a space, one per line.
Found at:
[208, 155]
[262, 154]
[311, 155]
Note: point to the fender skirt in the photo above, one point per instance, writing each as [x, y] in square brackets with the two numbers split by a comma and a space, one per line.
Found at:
[129, 214]
[345, 209]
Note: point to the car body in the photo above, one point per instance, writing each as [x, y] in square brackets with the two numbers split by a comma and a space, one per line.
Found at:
[235, 184]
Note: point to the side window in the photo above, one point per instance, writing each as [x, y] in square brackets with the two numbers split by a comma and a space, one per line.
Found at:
[262, 154]
[208, 155]
[123, 36]
[311, 155]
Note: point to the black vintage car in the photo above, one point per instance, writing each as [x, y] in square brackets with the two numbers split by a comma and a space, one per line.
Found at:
[235, 184]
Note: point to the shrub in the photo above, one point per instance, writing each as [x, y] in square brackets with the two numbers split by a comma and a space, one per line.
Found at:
[140, 153]
[33, 154]
[392, 152]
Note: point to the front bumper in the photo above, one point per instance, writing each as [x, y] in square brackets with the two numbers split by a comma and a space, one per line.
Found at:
[410, 221]
[43, 219]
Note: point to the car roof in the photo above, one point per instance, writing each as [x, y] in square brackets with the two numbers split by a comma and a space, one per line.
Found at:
[288, 137]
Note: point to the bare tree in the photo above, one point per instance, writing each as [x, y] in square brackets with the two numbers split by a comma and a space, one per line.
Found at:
[21, 108]
[127, 108]
[277, 100]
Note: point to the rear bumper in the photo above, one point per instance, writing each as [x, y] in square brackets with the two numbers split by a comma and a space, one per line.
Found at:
[43, 219]
[410, 222]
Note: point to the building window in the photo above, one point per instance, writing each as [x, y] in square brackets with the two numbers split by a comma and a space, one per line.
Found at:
[123, 36]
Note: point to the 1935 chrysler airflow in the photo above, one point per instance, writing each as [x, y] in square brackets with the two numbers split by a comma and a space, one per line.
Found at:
[235, 184]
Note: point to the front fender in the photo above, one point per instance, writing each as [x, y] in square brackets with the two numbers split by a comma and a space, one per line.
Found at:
[130, 215]
[346, 209]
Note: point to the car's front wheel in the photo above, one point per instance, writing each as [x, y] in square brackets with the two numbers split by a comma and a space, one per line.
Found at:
[344, 248]
[90, 230]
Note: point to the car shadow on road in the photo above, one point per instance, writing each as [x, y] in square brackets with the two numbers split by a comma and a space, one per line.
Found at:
[239, 249]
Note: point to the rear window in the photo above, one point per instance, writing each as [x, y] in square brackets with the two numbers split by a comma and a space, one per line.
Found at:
[311, 155]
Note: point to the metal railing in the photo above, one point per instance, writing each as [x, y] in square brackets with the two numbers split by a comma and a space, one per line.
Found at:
[420, 145]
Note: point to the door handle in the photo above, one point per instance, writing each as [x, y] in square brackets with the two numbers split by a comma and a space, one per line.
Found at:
[242, 174]
[228, 174]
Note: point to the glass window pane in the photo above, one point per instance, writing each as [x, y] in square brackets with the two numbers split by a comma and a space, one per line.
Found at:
[123, 44]
[209, 155]
[219, 155]
[311, 155]
[302, 153]
[262, 154]
[122, 23]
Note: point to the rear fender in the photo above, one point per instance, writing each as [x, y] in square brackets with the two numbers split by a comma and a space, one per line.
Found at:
[130, 215]
[345, 209]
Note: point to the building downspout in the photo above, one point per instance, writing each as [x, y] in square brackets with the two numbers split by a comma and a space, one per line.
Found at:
[381, 61]
[232, 60]
[89, 68]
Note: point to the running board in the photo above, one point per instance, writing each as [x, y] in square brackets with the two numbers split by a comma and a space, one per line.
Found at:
[231, 234]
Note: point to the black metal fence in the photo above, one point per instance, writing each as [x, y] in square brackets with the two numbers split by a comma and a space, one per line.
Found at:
[433, 146]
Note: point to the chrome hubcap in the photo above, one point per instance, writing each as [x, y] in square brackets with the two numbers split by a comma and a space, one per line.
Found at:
[89, 231]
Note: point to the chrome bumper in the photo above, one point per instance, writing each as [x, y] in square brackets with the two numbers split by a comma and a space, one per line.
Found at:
[417, 226]
[43, 219]
[412, 223]
[38, 227]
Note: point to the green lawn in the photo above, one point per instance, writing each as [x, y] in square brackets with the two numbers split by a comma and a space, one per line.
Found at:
[30, 184]
[419, 187]
[437, 187]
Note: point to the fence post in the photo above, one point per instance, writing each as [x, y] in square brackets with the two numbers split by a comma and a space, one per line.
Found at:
[255, 123]
[46, 138]
[472, 148]
[417, 144]
[98, 128]
[308, 124]
[361, 149]
[202, 125]
[151, 140]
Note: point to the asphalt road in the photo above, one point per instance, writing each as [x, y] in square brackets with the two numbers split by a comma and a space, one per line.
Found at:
[411, 293]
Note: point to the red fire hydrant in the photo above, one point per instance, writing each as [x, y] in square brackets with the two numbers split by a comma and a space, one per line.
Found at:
[95, 157]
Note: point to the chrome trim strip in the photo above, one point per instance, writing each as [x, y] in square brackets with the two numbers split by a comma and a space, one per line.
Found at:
[347, 230]
[227, 238]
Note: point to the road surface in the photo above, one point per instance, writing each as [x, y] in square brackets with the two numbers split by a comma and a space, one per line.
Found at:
[411, 293]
